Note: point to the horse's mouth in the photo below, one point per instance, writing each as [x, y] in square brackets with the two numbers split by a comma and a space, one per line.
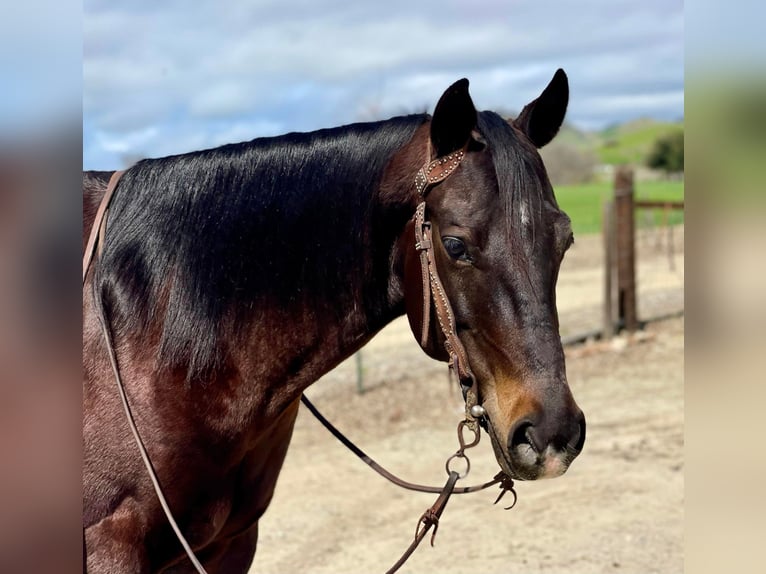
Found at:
[501, 455]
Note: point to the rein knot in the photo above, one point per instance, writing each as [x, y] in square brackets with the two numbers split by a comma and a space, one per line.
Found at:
[506, 485]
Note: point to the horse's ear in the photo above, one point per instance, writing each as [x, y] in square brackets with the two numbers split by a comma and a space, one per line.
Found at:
[542, 118]
[454, 119]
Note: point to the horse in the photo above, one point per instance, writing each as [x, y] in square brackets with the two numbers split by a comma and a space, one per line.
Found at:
[233, 278]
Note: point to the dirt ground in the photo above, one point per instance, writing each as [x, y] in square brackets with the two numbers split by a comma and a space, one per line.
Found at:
[619, 508]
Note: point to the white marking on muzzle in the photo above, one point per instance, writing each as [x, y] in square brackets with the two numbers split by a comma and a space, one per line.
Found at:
[554, 463]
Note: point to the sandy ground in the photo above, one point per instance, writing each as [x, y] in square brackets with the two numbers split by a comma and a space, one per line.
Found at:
[618, 509]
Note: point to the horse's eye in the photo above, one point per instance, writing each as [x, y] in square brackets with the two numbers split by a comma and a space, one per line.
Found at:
[455, 248]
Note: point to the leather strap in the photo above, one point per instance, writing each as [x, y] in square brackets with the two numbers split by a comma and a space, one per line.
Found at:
[436, 171]
[433, 289]
[423, 247]
[98, 230]
[428, 519]
[345, 441]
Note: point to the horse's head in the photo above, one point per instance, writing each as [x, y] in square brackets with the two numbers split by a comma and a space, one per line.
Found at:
[498, 240]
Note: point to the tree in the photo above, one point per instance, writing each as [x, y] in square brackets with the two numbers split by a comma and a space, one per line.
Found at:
[667, 153]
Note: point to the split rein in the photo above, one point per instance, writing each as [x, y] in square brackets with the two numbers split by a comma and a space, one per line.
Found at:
[430, 518]
[429, 175]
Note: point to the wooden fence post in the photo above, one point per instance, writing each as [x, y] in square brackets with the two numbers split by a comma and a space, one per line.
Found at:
[626, 257]
[359, 372]
[607, 225]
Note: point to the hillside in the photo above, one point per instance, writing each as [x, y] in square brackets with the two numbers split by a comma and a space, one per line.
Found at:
[630, 142]
[625, 143]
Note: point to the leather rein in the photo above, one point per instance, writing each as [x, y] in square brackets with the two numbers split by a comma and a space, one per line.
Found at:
[432, 173]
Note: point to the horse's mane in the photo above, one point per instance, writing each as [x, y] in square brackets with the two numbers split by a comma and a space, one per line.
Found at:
[195, 241]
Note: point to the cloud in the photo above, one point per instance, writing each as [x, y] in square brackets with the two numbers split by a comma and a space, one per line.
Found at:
[126, 142]
[222, 100]
[303, 64]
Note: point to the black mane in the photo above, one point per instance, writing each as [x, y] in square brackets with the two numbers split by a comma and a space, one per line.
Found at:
[199, 238]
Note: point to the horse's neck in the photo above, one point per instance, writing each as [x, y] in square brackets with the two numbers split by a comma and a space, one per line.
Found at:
[312, 339]
[392, 206]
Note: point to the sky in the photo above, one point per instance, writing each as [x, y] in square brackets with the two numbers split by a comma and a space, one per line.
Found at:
[168, 77]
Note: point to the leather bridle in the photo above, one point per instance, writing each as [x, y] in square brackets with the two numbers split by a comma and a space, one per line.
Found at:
[432, 173]
[429, 175]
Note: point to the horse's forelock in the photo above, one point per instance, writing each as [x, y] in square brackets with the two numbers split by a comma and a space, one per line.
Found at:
[521, 179]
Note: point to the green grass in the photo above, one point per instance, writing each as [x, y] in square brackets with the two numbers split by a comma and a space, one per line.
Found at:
[584, 203]
[630, 143]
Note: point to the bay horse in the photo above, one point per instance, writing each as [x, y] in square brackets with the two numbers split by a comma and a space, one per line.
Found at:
[233, 278]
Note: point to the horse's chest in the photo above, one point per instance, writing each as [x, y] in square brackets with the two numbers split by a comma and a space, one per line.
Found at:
[244, 492]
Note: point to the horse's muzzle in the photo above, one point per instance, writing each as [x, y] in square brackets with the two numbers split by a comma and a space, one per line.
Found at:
[542, 447]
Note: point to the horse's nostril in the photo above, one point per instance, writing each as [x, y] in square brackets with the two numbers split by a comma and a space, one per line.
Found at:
[578, 441]
[521, 435]
[539, 437]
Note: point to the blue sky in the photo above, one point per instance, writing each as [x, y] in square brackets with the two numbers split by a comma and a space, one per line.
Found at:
[175, 76]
